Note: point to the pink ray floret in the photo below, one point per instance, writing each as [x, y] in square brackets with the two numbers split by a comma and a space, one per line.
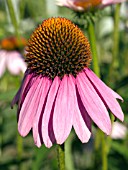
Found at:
[52, 107]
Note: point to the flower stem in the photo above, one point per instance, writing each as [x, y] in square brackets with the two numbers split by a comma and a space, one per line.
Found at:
[92, 38]
[104, 152]
[68, 153]
[61, 157]
[115, 50]
[1, 133]
[96, 69]
[19, 147]
[13, 16]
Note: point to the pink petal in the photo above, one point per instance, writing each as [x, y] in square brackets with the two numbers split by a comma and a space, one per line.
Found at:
[16, 98]
[29, 108]
[29, 80]
[25, 86]
[79, 123]
[84, 112]
[37, 123]
[115, 95]
[106, 94]
[18, 94]
[47, 126]
[63, 115]
[93, 104]
[101, 83]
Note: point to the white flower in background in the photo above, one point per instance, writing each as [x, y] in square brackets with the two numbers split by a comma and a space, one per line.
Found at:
[10, 56]
[119, 131]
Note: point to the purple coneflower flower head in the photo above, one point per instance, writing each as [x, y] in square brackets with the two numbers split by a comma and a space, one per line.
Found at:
[10, 57]
[59, 91]
[83, 5]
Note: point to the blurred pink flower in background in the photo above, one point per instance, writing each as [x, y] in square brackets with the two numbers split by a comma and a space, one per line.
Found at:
[59, 91]
[119, 131]
[83, 5]
[13, 61]
[10, 56]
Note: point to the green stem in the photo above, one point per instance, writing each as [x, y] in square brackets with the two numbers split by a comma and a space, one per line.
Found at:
[61, 157]
[97, 149]
[115, 50]
[104, 152]
[68, 153]
[92, 38]
[96, 69]
[19, 146]
[109, 138]
[13, 16]
[1, 133]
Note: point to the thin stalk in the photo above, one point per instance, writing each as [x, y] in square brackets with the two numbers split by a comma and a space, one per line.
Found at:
[39, 155]
[19, 146]
[96, 69]
[13, 16]
[1, 133]
[92, 38]
[104, 152]
[109, 138]
[61, 156]
[115, 51]
[97, 150]
[68, 153]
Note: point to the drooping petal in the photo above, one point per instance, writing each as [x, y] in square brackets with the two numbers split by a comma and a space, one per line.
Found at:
[79, 123]
[17, 96]
[63, 115]
[106, 94]
[29, 80]
[47, 125]
[93, 104]
[84, 112]
[116, 95]
[37, 123]
[22, 92]
[29, 108]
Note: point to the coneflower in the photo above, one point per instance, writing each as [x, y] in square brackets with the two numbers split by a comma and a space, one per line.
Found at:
[59, 91]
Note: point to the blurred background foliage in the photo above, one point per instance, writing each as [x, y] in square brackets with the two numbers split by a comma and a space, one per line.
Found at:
[21, 154]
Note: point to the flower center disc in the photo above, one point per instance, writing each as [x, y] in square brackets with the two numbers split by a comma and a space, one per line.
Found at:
[57, 47]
